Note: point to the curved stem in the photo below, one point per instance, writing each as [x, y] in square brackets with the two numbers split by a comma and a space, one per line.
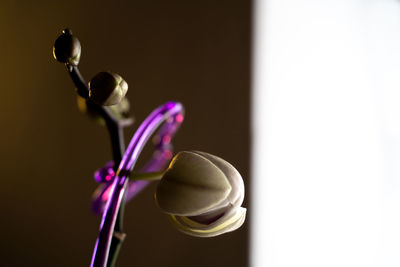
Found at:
[76, 76]
[116, 135]
[119, 186]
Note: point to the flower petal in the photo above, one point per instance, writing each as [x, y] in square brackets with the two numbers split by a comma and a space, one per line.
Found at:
[236, 196]
[225, 224]
[191, 185]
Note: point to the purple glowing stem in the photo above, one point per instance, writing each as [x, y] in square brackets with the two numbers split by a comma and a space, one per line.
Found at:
[161, 115]
[158, 162]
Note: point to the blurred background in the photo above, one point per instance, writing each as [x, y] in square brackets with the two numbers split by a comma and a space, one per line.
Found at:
[195, 52]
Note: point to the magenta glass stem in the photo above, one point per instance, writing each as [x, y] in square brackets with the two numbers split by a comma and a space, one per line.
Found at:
[169, 114]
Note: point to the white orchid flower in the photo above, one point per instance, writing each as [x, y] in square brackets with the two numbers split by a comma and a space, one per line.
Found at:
[202, 194]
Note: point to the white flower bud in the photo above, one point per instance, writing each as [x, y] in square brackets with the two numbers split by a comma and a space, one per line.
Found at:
[202, 194]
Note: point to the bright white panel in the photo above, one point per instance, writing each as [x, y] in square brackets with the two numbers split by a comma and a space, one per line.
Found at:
[326, 134]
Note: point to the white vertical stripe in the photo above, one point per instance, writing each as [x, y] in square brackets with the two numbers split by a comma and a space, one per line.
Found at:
[326, 133]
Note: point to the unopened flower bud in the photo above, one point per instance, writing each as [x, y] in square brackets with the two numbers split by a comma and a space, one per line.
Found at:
[202, 194]
[107, 89]
[67, 48]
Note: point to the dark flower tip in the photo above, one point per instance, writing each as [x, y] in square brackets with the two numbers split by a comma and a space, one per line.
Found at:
[67, 48]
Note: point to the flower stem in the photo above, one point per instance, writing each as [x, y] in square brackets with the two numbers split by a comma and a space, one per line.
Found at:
[146, 176]
[115, 129]
[102, 255]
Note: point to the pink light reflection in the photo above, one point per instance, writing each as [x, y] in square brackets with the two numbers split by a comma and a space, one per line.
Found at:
[107, 193]
[179, 118]
[166, 139]
[167, 154]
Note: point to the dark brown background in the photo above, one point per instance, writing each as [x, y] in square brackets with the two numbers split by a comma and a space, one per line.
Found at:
[196, 52]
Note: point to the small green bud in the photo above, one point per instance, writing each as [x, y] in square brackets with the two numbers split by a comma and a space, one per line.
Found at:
[202, 194]
[67, 48]
[107, 89]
